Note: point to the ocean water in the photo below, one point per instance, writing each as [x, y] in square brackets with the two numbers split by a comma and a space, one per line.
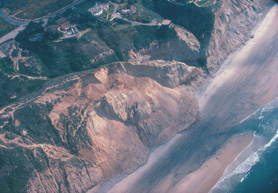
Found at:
[256, 168]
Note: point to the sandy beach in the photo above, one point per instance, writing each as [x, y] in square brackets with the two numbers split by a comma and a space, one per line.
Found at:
[246, 82]
[203, 179]
[264, 32]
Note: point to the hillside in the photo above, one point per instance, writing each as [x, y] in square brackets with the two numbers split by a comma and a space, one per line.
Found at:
[76, 111]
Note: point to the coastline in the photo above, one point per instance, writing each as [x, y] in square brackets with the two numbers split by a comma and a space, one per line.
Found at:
[203, 179]
[226, 71]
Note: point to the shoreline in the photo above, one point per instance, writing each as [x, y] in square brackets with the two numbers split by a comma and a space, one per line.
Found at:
[203, 179]
[225, 72]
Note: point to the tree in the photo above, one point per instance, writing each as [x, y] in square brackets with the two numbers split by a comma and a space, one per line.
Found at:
[130, 2]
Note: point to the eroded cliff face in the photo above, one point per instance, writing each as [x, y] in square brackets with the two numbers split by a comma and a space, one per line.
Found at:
[185, 47]
[233, 22]
[84, 128]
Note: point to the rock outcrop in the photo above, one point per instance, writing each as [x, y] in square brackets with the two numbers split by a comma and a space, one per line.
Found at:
[83, 128]
[233, 22]
[185, 47]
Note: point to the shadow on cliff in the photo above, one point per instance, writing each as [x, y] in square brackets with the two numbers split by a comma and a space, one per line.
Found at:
[198, 20]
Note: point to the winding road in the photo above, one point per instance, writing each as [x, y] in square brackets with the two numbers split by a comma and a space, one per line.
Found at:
[22, 23]
[10, 20]
[17, 21]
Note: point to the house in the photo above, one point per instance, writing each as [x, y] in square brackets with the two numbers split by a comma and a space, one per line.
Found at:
[166, 22]
[130, 11]
[98, 8]
[69, 31]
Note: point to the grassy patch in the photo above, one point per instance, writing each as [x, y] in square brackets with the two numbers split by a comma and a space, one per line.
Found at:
[86, 5]
[146, 14]
[198, 20]
[70, 55]
[5, 27]
[30, 9]
[143, 14]
[6, 65]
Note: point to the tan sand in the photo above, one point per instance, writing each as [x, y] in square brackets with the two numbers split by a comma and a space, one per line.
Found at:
[203, 179]
[265, 31]
[250, 77]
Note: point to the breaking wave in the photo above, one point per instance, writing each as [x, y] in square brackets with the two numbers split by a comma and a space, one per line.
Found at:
[264, 123]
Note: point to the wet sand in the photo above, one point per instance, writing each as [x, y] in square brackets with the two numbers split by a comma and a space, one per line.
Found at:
[203, 179]
[247, 82]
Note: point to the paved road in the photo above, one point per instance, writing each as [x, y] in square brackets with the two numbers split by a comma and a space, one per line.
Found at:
[12, 34]
[10, 20]
[252, 83]
[18, 22]
[22, 24]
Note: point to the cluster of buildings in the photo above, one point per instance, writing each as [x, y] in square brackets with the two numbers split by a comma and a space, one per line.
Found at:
[69, 31]
[99, 8]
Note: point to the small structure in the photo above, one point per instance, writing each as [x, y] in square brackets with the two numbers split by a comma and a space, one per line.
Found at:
[166, 22]
[69, 31]
[130, 11]
[98, 8]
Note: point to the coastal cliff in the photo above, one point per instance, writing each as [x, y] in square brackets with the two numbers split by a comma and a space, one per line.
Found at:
[233, 23]
[82, 127]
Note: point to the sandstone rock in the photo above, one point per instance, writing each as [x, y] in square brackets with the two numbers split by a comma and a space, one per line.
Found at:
[83, 128]
[233, 23]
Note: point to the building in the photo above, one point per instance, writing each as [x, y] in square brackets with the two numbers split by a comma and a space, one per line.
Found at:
[166, 22]
[130, 11]
[69, 31]
[98, 8]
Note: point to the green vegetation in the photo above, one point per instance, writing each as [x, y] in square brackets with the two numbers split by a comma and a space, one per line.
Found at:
[30, 9]
[6, 66]
[69, 55]
[13, 84]
[143, 14]
[5, 27]
[47, 56]
[86, 5]
[198, 20]
[142, 36]
[110, 11]
[17, 178]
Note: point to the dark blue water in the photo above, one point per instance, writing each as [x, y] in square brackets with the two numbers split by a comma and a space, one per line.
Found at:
[258, 172]
[263, 176]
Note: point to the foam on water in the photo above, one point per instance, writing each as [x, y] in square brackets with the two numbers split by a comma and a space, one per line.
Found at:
[265, 135]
